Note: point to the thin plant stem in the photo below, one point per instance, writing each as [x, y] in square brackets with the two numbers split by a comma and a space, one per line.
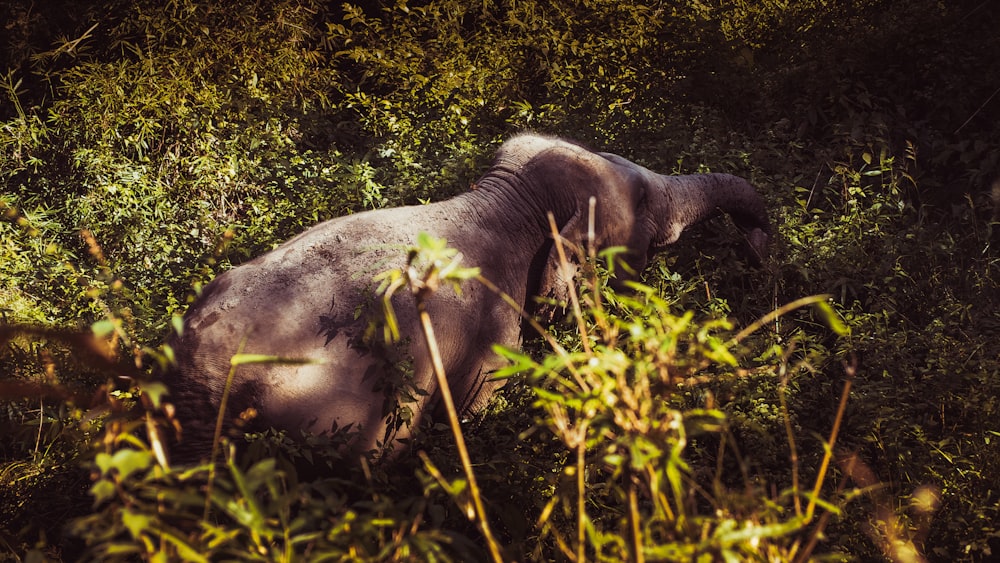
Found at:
[220, 418]
[573, 298]
[790, 434]
[786, 308]
[41, 426]
[824, 519]
[849, 370]
[592, 257]
[581, 496]
[793, 456]
[456, 429]
[634, 518]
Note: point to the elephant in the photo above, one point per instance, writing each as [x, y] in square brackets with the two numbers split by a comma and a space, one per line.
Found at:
[312, 296]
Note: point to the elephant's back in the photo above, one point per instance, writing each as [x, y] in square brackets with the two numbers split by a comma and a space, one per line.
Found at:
[299, 296]
[307, 300]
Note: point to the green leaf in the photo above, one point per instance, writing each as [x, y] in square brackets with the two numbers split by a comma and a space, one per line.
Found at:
[832, 318]
[128, 461]
[102, 490]
[753, 532]
[103, 461]
[427, 242]
[177, 322]
[103, 328]
[260, 474]
[244, 507]
[135, 522]
[241, 359]
[155, 391]
[519, 363]
[186, 552]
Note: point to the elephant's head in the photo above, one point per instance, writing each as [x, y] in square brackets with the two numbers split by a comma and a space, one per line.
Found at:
[676, 202]
[634, 207]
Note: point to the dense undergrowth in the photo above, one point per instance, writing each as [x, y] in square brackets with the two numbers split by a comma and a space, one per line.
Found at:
[147, 146]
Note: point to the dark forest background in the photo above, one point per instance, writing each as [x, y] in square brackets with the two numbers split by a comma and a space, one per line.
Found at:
[146, 146]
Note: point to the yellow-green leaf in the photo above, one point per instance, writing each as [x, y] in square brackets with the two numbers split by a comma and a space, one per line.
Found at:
[135, 522]
[832, 318]
[241, 359]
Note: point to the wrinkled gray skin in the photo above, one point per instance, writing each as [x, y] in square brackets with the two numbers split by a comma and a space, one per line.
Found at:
[309, 297]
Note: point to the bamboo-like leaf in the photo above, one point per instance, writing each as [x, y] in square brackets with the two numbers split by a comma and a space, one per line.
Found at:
[832, 319]
[244, 359]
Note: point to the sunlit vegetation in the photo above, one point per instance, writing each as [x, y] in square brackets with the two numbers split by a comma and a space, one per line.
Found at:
[841, 401]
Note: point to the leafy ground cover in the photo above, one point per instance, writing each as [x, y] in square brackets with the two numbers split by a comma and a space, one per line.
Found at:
[147, 146]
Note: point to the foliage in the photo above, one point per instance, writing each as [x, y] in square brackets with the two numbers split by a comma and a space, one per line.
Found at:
[144, 509]
[147, 146]
[631, 489]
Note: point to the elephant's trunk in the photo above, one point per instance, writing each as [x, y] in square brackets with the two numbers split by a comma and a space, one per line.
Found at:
[695, 198]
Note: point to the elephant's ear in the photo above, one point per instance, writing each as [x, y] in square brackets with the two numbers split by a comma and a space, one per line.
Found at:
[632, 226]
[629, 226]
[556, 276]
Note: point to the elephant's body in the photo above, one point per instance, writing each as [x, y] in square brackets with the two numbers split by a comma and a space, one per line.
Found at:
[313, 296]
